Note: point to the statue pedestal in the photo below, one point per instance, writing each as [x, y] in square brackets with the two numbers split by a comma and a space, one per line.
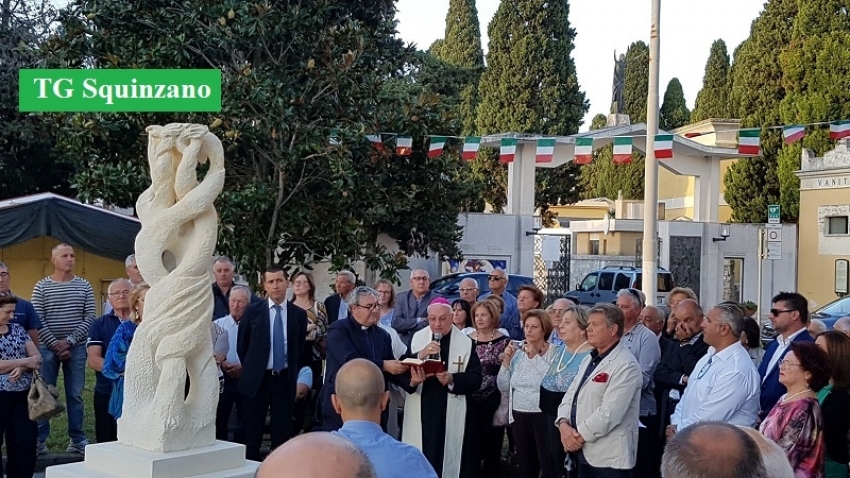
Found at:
[114, 460]
[618, 120]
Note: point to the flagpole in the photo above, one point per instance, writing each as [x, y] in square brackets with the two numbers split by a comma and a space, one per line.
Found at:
[649, 284]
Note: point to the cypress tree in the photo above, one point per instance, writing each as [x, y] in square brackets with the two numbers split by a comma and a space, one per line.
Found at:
[637, 81]
[530, 85]
[674, 110]
[757, 89]
[816, 67]
[462, 41]
[713, 99]
[588, 179]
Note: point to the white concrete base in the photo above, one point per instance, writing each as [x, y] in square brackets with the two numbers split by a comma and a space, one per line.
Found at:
[114, 460]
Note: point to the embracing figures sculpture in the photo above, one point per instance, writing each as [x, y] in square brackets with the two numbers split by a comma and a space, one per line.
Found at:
[173, 251]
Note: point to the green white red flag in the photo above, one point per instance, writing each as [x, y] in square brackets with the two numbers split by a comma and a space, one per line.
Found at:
[470, 147]
[793, 133]
[545, 150]
[507, 151]
[749, 141]
[663, 146]
[376, 141]
[436, 146]
[622, 150]
[584, 151]
[839, 129]
[403, 145]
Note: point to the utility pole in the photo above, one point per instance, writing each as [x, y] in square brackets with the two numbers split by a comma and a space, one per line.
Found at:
[650, 198]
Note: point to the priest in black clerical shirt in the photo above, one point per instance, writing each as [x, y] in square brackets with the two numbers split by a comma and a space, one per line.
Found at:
[358, 336]
[437, 415]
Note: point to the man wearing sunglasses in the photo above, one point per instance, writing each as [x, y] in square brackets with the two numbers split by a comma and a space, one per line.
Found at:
[510, 319]
[789, 315]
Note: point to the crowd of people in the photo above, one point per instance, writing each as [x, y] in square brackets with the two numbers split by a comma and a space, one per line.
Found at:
[415, 385]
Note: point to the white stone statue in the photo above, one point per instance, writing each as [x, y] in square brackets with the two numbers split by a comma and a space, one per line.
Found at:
[173, 251]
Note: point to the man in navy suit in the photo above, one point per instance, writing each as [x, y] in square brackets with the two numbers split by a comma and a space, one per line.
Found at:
[270, 346]
[790, 317]
[358, 337]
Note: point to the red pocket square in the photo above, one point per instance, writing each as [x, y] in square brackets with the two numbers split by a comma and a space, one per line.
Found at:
[601, 377]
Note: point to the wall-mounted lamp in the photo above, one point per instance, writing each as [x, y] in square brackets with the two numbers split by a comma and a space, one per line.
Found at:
[536, 225]
[724, 233]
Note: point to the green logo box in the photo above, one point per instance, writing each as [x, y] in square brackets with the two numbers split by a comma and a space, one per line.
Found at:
[128, 91]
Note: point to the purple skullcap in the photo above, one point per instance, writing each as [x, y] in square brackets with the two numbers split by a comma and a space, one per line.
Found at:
[441, 301]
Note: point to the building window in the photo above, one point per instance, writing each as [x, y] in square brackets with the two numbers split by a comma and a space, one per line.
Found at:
[837, 226]
[594, 247]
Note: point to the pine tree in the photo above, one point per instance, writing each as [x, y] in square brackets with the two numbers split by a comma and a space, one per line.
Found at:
[530, 85]
[674, 110]
[610, 178]
[816, 67]
[757, 89]
[588, 179]
[713, 99]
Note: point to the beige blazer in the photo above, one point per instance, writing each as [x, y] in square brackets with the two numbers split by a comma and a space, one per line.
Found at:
[607, 411]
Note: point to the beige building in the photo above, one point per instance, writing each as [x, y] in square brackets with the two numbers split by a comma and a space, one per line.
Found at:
[823, 224]
[677, 192]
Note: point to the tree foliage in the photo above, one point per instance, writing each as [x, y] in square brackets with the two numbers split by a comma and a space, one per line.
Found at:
[462, 42]
[290, 75]
[530, 85]
[30, 163]
[816, 66]
[674, 109]
[609, 179]
[713, 99]
[757, 90]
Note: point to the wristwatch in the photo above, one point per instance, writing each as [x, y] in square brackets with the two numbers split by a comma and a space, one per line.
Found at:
[561, 420]
[71, 341]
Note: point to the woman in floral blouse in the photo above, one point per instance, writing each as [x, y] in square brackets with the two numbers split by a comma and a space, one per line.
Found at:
[795, 422]
[490, 344]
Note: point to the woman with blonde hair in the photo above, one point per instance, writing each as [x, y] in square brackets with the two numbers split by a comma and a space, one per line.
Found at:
[116, 354]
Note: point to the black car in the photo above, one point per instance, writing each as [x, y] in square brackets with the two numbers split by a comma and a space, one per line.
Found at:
[448, 285]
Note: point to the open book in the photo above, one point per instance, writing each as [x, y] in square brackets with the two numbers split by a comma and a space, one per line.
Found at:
[429, 365]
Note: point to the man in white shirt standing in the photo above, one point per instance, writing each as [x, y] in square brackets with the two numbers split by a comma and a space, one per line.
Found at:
[725, 385]
[240, 297]
[790, 317]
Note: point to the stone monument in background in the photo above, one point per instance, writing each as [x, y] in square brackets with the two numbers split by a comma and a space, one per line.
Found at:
[618, 114]
[165, 432]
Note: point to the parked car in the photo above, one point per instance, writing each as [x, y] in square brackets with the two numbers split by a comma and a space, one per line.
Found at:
[829, 314]
[603, 284]
[448, 285]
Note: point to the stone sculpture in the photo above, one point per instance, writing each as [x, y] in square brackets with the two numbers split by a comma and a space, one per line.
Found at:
[173, 252]
[618, 99]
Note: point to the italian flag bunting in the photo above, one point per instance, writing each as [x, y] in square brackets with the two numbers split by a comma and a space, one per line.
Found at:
[748, 141]
[507, 152]
[376, 141]
[403, 145]
[664, 146]
[622, 150]
[436, 146]
[545, 150]
[333, 139]
[839, 129]
[470, 147]
[793, 133]
[584, 151]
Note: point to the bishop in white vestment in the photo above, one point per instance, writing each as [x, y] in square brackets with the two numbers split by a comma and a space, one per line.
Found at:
[437, 415]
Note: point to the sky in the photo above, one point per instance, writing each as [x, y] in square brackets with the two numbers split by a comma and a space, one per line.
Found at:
[688, 29]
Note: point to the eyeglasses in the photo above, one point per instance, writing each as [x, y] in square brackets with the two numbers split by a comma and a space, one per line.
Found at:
[375, 306]
[467, 289]
[419, 278]
[776, 312]
[495, 278]
[122, 293]
[786, 363]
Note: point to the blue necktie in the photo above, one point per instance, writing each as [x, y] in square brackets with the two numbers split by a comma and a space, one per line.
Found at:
[279, 358]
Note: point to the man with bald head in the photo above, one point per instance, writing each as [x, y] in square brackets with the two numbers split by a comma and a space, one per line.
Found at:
[360, 399]
[317, 454]
[438, 418]
[469, 290]
[712, 450]
[842, 325]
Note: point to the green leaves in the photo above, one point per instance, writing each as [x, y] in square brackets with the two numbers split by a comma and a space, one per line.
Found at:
[674, 109]
[713, 99]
